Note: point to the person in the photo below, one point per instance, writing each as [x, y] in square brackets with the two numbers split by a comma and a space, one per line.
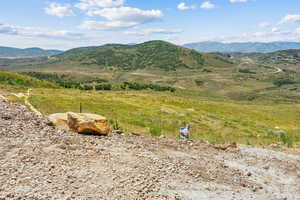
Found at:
[185, 132]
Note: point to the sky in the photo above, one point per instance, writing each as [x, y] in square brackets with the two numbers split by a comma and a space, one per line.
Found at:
[65, 24]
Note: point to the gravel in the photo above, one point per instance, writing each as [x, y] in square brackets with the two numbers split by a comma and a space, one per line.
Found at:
[39, 162]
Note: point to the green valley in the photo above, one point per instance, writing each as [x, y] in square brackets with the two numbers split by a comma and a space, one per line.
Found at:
[156, 87]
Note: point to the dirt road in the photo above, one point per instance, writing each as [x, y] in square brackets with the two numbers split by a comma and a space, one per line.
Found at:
[27, 102]
[38, 162]
[278, 70]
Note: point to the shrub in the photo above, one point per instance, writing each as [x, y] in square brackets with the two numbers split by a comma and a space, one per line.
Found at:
[247, 71]
[287, 140]
[276, 133]
[199, 82]
[103, 87]
[141, 86]
[155, 131]
[281, 82]
[86, 87]
[63, 80]
[206, 70]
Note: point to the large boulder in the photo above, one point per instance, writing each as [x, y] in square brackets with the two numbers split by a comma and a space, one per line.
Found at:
[88, 123]
[80, 122]
[60, 121]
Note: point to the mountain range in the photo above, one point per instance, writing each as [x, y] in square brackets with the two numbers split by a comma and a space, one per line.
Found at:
[246, 47]
[9, 52]
[205, 47]
[283, 57]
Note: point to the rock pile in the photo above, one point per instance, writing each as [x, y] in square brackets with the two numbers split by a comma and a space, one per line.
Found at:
[38, 162]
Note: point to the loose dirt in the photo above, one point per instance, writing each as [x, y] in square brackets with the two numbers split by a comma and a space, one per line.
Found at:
[38, 162]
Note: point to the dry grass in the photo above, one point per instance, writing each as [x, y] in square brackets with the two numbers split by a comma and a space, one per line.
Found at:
[219, 121]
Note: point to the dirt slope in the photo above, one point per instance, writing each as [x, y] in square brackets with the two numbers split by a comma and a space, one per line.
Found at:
[38, 162]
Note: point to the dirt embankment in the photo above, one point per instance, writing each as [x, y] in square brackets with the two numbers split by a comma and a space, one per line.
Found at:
[39, 162]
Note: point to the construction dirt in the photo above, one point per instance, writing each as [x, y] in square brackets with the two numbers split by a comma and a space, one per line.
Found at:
[38, 162]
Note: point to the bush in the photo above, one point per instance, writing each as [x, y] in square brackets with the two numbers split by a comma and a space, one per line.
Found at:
[103, 87]
[63, 80]
[96, 80]
[206, 70]
[155, 131]
[287, 140]
[67, 84]
[141, 86]
[247, 71]
[276, 133]
[86, 87]
[283, 137]
[281, 82]
[199, 82]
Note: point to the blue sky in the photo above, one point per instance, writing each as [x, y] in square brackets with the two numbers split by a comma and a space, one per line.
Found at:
[64, 24]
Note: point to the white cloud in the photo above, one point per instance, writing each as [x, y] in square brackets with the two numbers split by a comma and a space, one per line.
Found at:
[59, 10]
[7, 29]
[238, 1]
[204, 5]
[121, 17]
[106, 25]
[60, 34]
[128, 14]
[266, 36]
[261, 34]
[275, 30]
[34, 32]
[264, 25]
[94, 4]
[183, 6]
[207, 5]
[148, 32]
[297, 31]
[290, 18]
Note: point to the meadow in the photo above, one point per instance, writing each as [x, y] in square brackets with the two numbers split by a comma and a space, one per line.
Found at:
[217, 120]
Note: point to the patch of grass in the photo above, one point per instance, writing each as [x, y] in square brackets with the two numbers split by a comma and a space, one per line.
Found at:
[287, 140]
[215, 120]
[155, 131]
[115, 125]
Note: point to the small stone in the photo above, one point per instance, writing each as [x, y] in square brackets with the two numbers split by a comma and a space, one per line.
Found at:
[266, 167]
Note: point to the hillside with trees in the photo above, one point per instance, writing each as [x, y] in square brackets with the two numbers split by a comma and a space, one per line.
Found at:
[151, 55]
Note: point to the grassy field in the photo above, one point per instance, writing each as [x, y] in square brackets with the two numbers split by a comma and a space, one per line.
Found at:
[156, 113]
[20, 81]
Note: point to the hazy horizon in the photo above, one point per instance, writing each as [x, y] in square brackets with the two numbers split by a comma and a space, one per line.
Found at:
[149, 41]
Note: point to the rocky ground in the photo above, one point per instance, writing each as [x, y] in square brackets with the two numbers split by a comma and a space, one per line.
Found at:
[38, 162]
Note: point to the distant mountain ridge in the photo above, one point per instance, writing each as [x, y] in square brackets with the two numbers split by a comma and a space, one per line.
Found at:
[243, 47]
[148, 55]
[286, 57]
[10, 52]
